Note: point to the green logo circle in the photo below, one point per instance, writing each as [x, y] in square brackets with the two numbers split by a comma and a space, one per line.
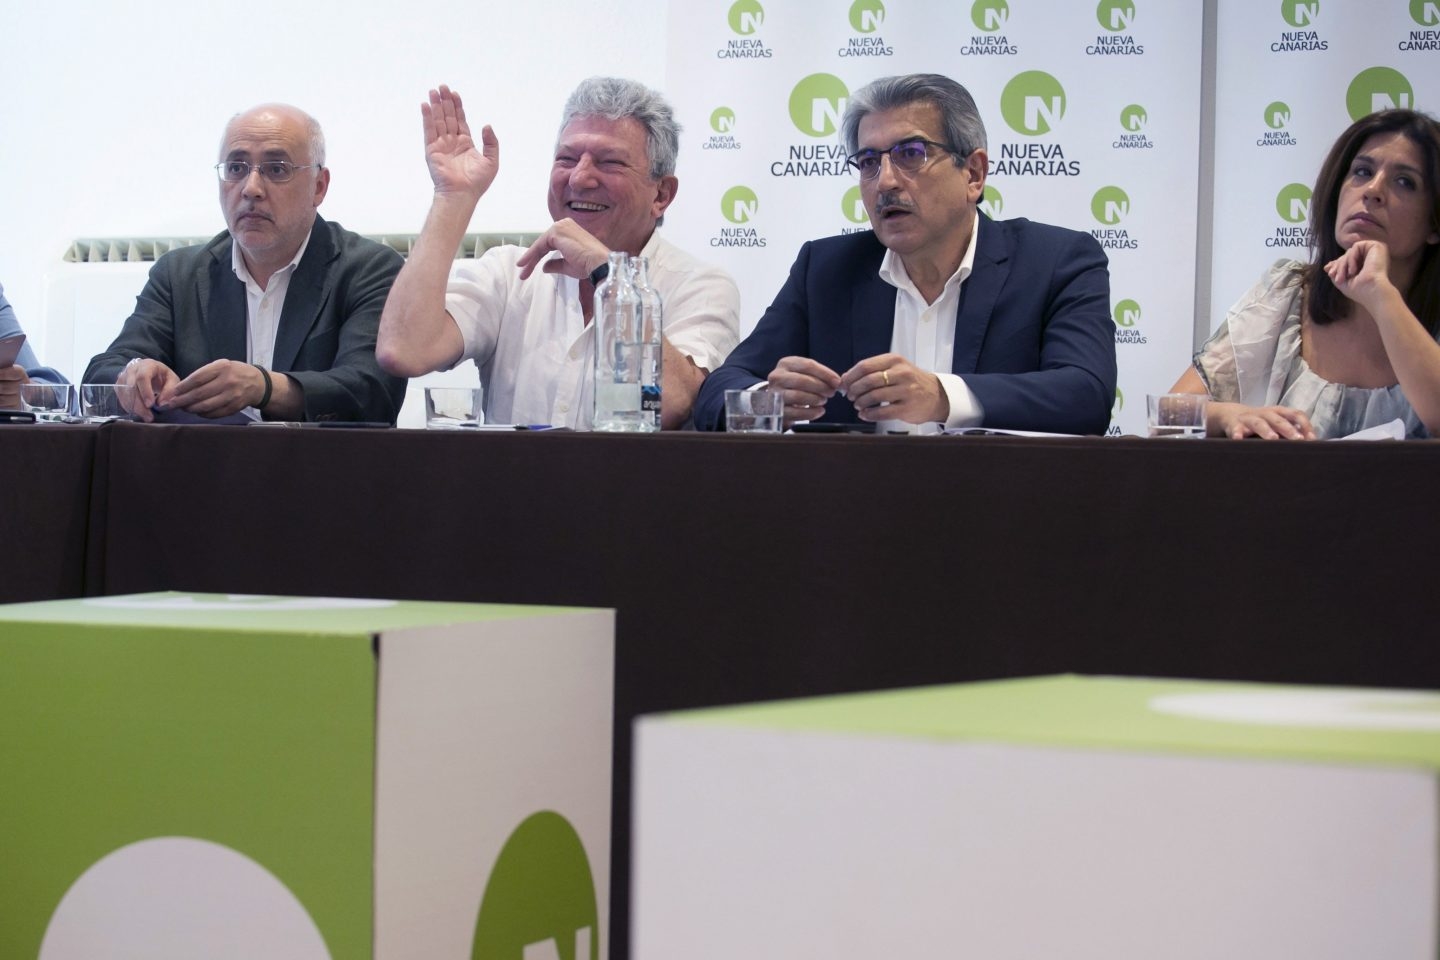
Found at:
[1378, 88]
[991, 202]
[1133, 118]
[1110, 205]
[1032, 103]
[1425, 12]
[1293, 203]
[1127, 313]
[540, 890]
[1300, 13]
[853, 206]
[817, 103]
[990, 15]
[739, 204]
[867, 15]
[1115, 15]
[746, 16]
[722, 120]
[1277, 115]
[1119, 404]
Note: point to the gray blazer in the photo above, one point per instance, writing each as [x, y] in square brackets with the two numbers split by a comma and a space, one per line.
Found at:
[193, 311]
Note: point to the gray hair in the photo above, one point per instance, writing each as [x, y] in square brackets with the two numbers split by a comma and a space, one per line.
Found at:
[964, 131]
[614, 98]
[314, 136]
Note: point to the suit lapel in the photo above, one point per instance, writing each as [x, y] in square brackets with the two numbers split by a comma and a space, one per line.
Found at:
[309, 289]
[980, 292]
[223, 313]
[872, 311]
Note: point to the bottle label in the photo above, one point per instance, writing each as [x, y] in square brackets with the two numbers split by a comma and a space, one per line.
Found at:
[650, 399]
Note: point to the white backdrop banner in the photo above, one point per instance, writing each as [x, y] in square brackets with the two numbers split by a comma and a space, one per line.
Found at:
[1092, 112]
[1291, 75]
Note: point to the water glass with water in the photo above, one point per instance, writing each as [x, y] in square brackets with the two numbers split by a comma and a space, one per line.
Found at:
[1179, 415]
[754, 411]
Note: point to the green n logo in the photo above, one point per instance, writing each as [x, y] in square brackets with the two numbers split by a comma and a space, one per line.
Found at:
[1300, 13]
[746, 17]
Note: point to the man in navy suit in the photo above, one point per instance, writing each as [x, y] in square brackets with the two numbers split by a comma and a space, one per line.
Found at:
[939, 315]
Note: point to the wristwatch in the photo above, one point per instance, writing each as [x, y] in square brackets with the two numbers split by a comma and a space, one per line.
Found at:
[599, 273]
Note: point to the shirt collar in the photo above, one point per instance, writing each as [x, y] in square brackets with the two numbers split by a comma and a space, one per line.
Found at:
[237, 261]
[892, 269]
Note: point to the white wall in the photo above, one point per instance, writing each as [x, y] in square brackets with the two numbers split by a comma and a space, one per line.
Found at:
[112, 113]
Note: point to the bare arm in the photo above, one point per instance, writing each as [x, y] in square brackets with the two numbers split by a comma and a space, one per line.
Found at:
[1362, 274]
[417, 335]
[680, 381]
[1237, 421]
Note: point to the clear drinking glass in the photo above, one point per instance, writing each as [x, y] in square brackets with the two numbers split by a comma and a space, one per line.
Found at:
[754, 411]
[101, 402]
[50, 402]
[453, 408]
[1176, 415]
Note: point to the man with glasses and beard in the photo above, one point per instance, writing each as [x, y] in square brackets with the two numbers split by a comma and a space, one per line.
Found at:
[938, 315]
[277, 316]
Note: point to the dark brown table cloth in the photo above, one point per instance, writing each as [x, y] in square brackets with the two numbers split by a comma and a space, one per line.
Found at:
[749, 568]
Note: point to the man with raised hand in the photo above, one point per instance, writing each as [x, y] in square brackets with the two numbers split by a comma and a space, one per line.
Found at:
[523, 315]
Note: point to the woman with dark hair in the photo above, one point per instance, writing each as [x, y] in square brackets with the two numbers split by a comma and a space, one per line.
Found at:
[1347, 341]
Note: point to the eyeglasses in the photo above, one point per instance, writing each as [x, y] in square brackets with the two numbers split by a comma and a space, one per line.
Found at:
[907, 156]
[276, 171]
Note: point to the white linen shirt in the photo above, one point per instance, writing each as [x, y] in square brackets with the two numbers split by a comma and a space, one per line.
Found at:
[534, 350]
[924, 334]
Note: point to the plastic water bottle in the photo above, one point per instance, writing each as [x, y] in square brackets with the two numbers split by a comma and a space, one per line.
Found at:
[652, 348]
[619, 352]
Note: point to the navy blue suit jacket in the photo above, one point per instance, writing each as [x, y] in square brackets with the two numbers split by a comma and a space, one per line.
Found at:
[1033, 336]
[193, 311]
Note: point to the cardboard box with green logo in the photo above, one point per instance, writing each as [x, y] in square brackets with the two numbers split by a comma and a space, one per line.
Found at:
[191, 775]
[1053, 817]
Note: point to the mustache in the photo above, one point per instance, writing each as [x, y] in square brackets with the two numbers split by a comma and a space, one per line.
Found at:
[892, 201]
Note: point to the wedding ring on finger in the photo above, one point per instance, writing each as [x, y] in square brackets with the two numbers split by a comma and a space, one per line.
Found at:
[886, 375]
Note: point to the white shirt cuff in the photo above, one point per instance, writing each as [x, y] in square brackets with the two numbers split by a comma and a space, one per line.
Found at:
[965, 408]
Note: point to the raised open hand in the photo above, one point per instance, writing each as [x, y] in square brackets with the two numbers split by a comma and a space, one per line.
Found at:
[456, 165]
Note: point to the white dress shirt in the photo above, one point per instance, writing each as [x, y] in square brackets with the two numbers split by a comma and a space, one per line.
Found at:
[924, 334]
[263, 308]
[534, 350]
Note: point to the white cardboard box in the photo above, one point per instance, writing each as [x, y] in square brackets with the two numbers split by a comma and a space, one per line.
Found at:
[198, 775]
[1054, 817]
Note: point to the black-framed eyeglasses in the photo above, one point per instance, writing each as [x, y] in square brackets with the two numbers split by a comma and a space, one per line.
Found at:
[276, 171]
[907, 156]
